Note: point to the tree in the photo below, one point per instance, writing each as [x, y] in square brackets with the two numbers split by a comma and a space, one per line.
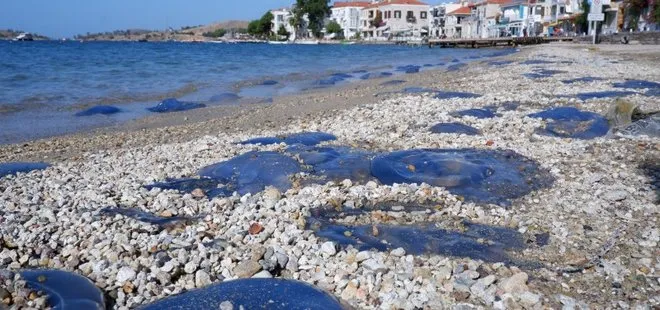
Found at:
[218, 33]
[334, 27]
[266, 22]
[581, 21]
[654, 15]
[283, 33]
[634, 9]
[316, 12]
[254, 28]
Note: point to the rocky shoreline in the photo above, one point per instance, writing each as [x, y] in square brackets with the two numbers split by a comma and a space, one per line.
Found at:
[598, 220]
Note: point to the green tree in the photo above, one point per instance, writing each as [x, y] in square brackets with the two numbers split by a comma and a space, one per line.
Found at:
[254, 28]
[216, 33]
[581, 21]
[316, 12]
[334, 27]
[283, 33]
[634, 9]
[655, 12]
[266, 23]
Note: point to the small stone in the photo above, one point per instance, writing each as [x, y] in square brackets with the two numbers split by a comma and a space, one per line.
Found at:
[198, 193]
[329, 248]
[362, 256]
[202, 279]
[490, 143]
[246, 269]
[398, 252]
[264, 274]
[373, 265]
[516, 283]
[615, 195]
[125, 274]
[461, 295]
[255, 228]
[226, 305]
[350, 291]
[128, 287]
[443, 273]
[166, 213]
[258, 252]
[488, 280]
[4, 295]
[190, 267]
[282, 259]
[529, 299]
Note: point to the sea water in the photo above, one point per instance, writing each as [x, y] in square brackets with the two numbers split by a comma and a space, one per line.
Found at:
[44, 86]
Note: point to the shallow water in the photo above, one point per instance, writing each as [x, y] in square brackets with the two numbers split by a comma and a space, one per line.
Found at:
[488, 176]
[39, 98]
[65, 290]
[20, 167]
[569, 122]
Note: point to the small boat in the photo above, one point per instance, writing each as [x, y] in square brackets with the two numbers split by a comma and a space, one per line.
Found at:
[278, 42]
[24, 37]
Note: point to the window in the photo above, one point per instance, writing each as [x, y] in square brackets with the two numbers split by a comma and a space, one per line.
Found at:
[397, 14]
[422, 15]
[371, 14]
[410, 14]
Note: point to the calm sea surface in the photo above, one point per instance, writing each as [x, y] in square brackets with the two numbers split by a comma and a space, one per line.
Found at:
[44, 84]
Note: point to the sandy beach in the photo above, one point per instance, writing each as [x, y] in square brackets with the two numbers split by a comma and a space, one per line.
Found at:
[599, 217]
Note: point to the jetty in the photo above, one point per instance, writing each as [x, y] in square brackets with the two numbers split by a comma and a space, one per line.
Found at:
[492, 42]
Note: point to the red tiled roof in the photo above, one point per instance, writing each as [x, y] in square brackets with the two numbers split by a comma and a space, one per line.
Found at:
[350, 4]
[461, 11]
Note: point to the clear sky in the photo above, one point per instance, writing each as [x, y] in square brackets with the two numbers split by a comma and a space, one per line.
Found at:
[66, 18]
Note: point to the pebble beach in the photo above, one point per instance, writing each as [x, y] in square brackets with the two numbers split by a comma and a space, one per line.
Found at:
[589, 235]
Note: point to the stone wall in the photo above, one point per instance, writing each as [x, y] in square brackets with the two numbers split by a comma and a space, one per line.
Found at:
[649, 37]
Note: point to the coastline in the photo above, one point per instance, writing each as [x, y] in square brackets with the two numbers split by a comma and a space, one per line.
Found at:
[600, 194]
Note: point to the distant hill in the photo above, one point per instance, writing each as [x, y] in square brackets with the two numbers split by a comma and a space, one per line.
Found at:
[186, 34]
[8, 34]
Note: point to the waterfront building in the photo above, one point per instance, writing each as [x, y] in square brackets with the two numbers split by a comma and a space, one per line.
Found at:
[347, 15]
[387, 19]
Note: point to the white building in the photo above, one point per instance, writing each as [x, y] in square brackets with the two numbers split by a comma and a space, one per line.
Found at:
[347, 15]
[438, 18]
[398, 18]
[281, 18]
[457, 21]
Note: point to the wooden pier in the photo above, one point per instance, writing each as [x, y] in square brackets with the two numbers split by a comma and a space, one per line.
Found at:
[508, 41]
